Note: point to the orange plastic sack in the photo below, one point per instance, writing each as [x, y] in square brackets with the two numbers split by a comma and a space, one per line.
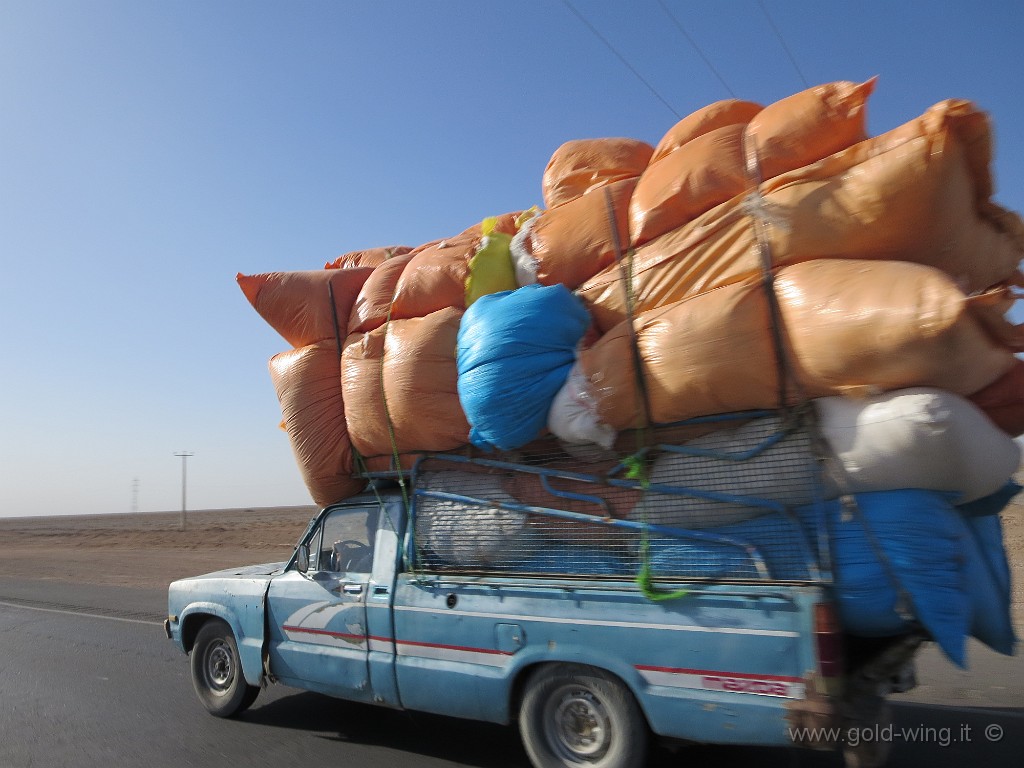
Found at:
[711, 168]
[371, 306]
[582, 165]
[694, 178]
[573, 242]
[371, 257]
[850, 325]
[909, 195]
[506, 224]
[419, 378]
[878, 326]
[308, 386]
[1003, 400]
[807, 126]
[425, 279]
[710, 118]
[435, 278]
[298, 304]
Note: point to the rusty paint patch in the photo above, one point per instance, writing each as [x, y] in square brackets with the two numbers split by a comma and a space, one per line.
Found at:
[813, 715]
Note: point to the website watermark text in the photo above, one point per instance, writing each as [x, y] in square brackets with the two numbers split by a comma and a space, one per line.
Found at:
[854, 736]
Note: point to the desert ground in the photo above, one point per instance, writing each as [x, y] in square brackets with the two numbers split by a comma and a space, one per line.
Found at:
[147, 550]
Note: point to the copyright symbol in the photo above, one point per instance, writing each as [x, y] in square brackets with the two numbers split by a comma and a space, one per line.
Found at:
[994, 732]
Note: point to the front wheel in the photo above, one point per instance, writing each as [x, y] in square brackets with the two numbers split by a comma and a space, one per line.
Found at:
[574, 716]
[217, 671]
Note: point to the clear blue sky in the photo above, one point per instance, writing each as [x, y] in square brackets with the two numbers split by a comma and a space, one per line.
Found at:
[151, 150]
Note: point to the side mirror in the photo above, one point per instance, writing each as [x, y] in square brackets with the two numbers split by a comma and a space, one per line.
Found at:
[302, 558]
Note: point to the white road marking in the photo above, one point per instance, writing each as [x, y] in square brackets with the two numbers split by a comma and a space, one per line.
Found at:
[81, 613]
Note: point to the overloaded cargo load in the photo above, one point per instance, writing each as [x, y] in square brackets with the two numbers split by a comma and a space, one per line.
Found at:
[741, 503]
[755, 263]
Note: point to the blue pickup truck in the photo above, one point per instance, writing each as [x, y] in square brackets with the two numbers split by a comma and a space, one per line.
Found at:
[683, 594]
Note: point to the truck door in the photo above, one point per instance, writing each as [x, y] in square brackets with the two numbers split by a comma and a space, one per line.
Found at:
[317, 619]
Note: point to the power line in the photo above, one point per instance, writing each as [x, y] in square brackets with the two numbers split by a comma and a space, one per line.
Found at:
[782, 42]
[697, 48]
[621, 58]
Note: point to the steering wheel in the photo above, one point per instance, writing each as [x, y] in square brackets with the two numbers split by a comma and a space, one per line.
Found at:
[351, 555]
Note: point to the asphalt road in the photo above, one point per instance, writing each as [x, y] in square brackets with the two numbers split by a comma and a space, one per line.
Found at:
[87, 678]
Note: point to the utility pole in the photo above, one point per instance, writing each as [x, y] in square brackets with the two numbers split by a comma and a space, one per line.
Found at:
[135, 496]
[184, 460]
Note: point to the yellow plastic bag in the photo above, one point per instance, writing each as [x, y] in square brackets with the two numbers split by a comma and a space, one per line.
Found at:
[490, 269]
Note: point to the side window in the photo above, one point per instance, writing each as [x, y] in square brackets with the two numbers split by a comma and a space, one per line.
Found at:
[347, 538]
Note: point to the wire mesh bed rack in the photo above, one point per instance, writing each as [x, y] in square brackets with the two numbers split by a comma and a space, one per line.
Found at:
[735, 497]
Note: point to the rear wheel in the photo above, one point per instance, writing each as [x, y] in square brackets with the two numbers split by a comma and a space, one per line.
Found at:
[574, 716]
[217, 671]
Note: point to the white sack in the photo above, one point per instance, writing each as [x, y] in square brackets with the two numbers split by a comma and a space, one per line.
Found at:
[572, 417]
[521, 250]
[917, 438]
[471, 535]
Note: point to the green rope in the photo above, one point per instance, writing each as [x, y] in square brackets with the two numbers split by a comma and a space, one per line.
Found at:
[636, 469]
[636, 465]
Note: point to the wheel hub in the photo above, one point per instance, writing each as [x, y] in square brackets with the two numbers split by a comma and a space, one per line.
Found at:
[219, 668]
[581, 727]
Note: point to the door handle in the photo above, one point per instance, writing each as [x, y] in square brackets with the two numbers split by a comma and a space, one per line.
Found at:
[352, 589]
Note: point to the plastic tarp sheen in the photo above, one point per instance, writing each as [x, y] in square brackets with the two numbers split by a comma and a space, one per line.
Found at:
[298, 304]
[308, 387]
[373, 302]
[807, 126]
[572, 416]
[918, 193]
[916, 438]
[851, 326]
[694, 178]
[583, 165]
[988, 571]
[515, 349]
[719, 114]
[370, 257]
[923, 541]
[711, 168]
[435, 278]
[400, 378]
[574, 241]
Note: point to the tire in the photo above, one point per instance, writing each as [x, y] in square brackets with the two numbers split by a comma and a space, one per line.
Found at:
[873, 753]
[574, 716]
[217, 671]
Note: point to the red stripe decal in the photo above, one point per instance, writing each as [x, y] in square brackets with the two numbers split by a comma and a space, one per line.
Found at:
[453, 647]
[327, 632]
[712, 673]
[345, 636]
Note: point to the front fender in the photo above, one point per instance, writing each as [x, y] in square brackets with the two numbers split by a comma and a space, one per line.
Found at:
[248, 632]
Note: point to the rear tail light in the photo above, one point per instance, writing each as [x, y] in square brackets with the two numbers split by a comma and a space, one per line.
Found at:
[828, 640]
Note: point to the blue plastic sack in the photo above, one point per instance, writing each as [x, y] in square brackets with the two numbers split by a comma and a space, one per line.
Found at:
[924, 539]
[988, 571]
[925, 546]
[515, 349]
[778, 539]
[563, 559]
